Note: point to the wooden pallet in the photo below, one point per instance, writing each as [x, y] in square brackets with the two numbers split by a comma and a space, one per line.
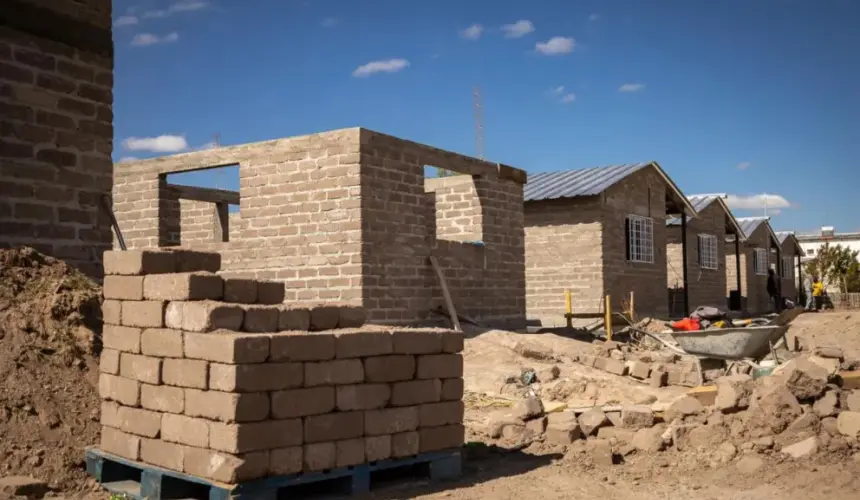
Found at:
[140, 481]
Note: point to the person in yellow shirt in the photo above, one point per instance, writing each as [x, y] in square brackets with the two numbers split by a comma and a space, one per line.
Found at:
[817, 292]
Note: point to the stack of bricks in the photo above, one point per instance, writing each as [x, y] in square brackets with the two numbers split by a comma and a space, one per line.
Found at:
[217, 378]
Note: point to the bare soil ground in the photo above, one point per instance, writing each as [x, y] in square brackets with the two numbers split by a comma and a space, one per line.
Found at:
[836, 328]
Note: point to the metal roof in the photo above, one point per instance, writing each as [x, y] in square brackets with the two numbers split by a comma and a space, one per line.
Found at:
[701, 202]
[784, 235]
[589, 182]
[750, 224]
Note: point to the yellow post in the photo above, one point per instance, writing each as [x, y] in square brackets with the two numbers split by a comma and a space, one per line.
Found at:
[608, 318]
[568, 309]
[632, 309]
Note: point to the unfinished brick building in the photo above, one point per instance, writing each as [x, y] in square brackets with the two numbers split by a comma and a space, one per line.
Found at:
[705, 274]
[345, 216]
[747, 262]
[56, 128]
[598, 231]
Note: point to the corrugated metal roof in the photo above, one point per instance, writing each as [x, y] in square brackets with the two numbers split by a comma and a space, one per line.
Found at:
[699, 202]
[574, 183]
[750, 224]
[782, 235]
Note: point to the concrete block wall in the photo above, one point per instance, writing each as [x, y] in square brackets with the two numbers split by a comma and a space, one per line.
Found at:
[563, 252]
[789, 284]
[707, 287]
[183, 388]
[753, 287]
[344, 216]
[56, 133]
[458, 208]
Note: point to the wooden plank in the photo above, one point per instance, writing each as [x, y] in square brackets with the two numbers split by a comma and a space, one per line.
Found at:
[452, 313]
[209, 195]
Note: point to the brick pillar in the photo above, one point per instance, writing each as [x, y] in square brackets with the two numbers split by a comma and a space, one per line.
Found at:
[56, 128]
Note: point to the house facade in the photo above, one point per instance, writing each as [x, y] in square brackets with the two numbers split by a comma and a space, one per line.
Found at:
[706, 255]
[595, 232]
[789, 265]
[755, 259]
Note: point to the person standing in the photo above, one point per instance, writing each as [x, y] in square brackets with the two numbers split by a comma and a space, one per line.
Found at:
[817, 293]
[773, 291]
[807, 287]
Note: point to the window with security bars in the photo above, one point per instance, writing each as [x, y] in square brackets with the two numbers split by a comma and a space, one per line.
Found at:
[708, 251]
[760, 261]
[640, 239]
[787, 267]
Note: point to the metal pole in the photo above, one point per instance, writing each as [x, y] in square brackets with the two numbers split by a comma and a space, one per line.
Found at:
[684, 263]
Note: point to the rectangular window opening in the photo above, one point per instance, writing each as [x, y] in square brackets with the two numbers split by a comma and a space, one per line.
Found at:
[708, 251]
[640, 239]
[788, 267]
[760, 261]
[208, 201]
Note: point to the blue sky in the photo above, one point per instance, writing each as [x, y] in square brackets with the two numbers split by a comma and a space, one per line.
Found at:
[737, 96]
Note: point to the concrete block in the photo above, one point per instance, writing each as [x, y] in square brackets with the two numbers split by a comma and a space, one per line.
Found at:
[270, 292]
[224, 467]
[145, 314]
[227, 347]
[295, 346]
[405, 444]
[185, 430]
[416, 392]
[636, 417]
[611, 365]
[183, 286]
[204, 316]
[337, 372]
[391, 420]
[395, 368]
[120, 443]
[261, 318]
[143, 368]
[166, 455]
[350, 452]
[112, 312]
[227, 407]
[138, 262]
[319, 456]
[294, 319]
[363, 396]
[191, 261]
[441, 438]
[256, 377]
[440, 366]
[284, 461]
[139, 422]
[162, 342]
[122, 390]
[162, 398]
[123, 287]
[353, 344]
[417, 341]
[191, 373]
[324, 317]
[452, 342]
[452, 389]
[436, 414]
[377, 448]
[121, 338]
[303, 402]
[109, 361]
[240, 291]
[109, 415]
[351, 317]
[254, 436]
[639, 370]
[334, 426]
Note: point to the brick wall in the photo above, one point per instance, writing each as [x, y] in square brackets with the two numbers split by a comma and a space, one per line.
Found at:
[563, 252]
[56, 131]
[458, 208]
[789, 284]
[754, 297]
[643, 193]
[707, 287]
[344, 216]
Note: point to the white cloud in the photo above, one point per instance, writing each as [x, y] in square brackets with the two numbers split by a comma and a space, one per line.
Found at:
[160, 144]
[518, 29]
[744, 165]
[556, 45]
[125, 159]
[180, 6]
[146, 39]
[594, 17]
[568, 98]
[382, 66]
[562, 96]
[473, 32]
[125, 21]
[631, 87]
[329, 22]
[758, 202]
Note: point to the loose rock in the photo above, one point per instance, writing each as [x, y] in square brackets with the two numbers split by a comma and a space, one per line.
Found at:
[848, 423]
[528, 408]
[772, 408]
[829, 352]
[637, 417]
[683, 407]
[592, 420]
[600, 451]
[548, 374]
[802, 449]
[733, 392]
[725, 453]
[852, 401]
[826, 405]
[804, 378]
[562, 428]
[750, 464]
[649, 440]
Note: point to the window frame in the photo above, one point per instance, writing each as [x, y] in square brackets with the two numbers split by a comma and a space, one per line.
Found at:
[760, 264]
[639, 238]
[788, 267]
[713, 251]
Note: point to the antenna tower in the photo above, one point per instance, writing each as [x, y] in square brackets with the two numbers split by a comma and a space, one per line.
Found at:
[216, 140]
[479, 124]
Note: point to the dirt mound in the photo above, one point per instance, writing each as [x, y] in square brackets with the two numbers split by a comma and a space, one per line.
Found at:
[50, 323]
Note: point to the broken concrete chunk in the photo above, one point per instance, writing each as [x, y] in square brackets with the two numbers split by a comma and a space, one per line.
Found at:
[497, 423]
[804, 448]
[804, 378]
[637, 417]
[852, 401]
[750, 464]
[536, 426]
[533, 350]
[562, 428]
[548, 374]
[733, 393]
[683, 407]
[528, 408]
[649, 440]
[772, 409]
[639, 370]
[600, 451]
[725, 452]
[592, 420]
[826, 405]
[611, 365]
[829, 426]
[848, 423]
[832, 352]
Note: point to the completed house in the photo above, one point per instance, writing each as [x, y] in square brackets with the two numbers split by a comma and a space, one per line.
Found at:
[747, 260]
[702, 282]
[790, 265]
[598, 231]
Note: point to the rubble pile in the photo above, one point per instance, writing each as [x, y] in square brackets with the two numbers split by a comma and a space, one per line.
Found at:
[802, 409]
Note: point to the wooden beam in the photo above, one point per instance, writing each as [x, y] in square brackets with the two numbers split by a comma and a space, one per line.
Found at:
[209, 195]
[446, 294]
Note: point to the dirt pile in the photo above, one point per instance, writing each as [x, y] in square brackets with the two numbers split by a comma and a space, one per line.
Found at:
[50, 319]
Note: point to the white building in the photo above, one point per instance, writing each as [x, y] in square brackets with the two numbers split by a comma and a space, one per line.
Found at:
[811, 243]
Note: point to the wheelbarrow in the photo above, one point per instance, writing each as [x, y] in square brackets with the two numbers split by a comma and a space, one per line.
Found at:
[735, 344]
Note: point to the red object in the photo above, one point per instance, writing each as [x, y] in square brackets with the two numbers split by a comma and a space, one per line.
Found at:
[686, 325]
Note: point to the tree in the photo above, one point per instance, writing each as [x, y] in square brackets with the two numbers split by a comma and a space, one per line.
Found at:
[836, 265]
[441, 172]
